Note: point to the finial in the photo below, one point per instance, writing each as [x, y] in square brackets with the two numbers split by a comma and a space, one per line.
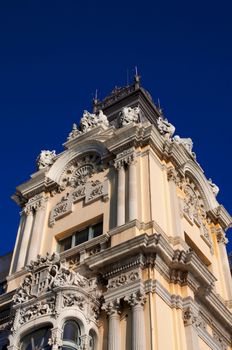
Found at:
[137, 78]
[159, 107]
[95, 102]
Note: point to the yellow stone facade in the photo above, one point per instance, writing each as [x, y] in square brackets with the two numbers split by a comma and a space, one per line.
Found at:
[122, 235]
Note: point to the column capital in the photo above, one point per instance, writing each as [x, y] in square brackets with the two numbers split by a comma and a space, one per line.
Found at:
[112, 308]
[221, 237]
[27, 210]
[191, 317]
[55, 340]
[136, 299]
[37, 202]
[173, 175]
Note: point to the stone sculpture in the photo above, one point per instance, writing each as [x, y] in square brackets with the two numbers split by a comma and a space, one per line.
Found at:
[165, 128]
[45, 158]
[129, 115]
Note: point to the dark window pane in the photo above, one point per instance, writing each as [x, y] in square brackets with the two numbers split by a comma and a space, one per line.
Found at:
[37, 340]
[65, 244]
[82, 236]
[97, 229]
[71, 332]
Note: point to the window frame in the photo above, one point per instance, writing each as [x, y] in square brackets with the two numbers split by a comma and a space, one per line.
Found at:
[75, 233]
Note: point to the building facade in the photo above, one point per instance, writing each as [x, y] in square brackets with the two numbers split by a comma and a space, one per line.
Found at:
[121, 242]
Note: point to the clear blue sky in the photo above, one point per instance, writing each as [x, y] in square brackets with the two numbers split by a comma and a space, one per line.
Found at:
[54, 54]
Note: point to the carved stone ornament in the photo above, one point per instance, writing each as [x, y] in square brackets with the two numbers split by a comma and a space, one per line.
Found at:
[123, 279]
[125, 157]
[52, 285]
[79, 171]
[193, 207]
[35, 203]
[165, 128]
[190, 317]
[90, 192]
[129, 115]
[45, 274]
[74, 133]
[186, 142]
[40, 308]
[214, 187]
[135, 299]
[90, 121]
[45, 158]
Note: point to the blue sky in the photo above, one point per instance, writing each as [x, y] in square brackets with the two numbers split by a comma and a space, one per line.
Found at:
[54, 54]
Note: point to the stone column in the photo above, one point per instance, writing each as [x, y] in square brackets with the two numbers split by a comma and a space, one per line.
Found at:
[16, 252]
[133, 201]
[114, 339]
[37, 231]
[138, 340]
[121, 194]
[28, 213]
[222, 241]
[191, 322]
[56, 338]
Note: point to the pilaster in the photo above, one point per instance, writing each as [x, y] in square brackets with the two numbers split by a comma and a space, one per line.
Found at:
[39, 205]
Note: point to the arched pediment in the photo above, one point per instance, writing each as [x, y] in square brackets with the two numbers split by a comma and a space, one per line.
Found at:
[69, 156]
[192, 170]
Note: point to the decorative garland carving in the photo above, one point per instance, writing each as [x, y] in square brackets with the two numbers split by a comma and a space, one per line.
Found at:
[89, 192]
[123, 279]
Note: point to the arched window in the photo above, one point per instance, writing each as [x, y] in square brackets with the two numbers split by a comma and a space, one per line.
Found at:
[71, 335]
[37, 340]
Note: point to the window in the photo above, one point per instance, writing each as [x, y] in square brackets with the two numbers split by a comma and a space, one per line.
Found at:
[81, 236]
[37, 340]
[3, 286]
[71, 335]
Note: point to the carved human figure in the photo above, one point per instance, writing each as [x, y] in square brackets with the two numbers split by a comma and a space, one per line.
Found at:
[74, 133]
[129, 115]
[45, 158]
[165, 128]
[91, 120]
[186, 142]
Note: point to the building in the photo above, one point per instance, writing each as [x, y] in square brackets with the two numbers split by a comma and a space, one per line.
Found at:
[121, 242]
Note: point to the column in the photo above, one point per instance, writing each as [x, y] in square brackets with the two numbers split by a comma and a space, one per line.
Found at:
[37, 231]
[114, 339]
[28, 213]
[56, 338]
[222, 241]
[17, 246]
[191, 322]
[133, 201]
[138, 340]
[121, 195]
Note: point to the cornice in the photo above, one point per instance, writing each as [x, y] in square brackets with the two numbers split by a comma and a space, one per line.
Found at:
[221, 215]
